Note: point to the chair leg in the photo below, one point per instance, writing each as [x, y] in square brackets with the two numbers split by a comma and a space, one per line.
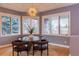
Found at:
[47, 50]
[27, 53]
[47, 53]
[20, 52]
[33, 52]
[41, 52]
[17, 53]
[13, 53]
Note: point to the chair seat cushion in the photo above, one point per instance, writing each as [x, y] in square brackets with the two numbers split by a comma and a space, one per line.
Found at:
[40, 47]
[21, 48]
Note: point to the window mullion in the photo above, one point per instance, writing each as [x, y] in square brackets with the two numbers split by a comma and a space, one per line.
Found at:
[50, 26]
[68, 25]
[10, 25]
[20, 25]
[59, 25]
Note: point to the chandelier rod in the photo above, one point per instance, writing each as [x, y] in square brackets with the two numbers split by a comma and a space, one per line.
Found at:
[32, 5]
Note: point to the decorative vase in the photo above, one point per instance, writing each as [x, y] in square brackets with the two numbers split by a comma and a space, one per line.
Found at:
[30, 37]
[30, 41]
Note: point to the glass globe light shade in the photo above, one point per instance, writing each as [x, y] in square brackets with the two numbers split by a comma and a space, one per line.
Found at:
[32, 12]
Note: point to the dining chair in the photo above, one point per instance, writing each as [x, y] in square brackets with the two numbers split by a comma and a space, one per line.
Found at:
[40, 46]
[19, 46]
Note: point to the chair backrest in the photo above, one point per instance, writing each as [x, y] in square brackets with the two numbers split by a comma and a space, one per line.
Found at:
[17, 43]
[41, 42]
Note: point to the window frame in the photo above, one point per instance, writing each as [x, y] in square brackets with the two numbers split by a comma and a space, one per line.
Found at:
[57, 24]
[19, 26]
[10, 15]
[57, 14]
[67, 26]
[9, 25]
[38, 25]
[30, 24]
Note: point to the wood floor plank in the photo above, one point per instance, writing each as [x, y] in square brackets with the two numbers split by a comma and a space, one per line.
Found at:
[53, 51]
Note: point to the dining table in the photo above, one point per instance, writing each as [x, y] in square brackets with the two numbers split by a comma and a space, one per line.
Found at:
[29, 41]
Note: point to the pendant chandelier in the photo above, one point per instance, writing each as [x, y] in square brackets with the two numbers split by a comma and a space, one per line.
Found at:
[32, 11]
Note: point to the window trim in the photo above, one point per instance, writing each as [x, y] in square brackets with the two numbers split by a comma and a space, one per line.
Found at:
[11, 34]
[30, 24]
[68, 27]
[58, 14]
[19, 26]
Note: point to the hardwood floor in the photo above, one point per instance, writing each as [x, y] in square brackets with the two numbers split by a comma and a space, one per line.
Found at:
[53, 51]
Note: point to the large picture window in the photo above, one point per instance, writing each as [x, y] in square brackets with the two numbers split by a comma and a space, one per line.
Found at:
[15, 25]
[6, 25]
[56, 24]
[46, 26]
[10, 25]
[51, 25]
[26, 22]
[35, 24]
[64, 24]
[31, 22]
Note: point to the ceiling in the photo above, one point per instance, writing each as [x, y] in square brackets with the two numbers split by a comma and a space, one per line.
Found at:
[23, 7]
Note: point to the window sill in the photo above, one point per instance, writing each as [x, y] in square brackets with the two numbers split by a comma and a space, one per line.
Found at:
[57, 35]
[29, 34]
[10, 35]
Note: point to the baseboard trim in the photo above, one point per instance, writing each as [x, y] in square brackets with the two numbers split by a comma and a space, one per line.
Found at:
[6, 45]
[59, 45]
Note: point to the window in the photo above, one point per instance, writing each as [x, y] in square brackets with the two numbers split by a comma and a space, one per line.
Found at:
[64, 26]
[15, 25]
[5, 25]
[51, 25]
[35, 24]
[56, 24]
[10, 25]
[26, 22]
[32, 22]
[46, 26]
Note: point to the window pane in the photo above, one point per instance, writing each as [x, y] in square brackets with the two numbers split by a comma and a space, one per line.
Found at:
[46, 26]
[35, 24]
[54, 25]
[15, 25]
[26, 22]
[64, 25]
[5, 25]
